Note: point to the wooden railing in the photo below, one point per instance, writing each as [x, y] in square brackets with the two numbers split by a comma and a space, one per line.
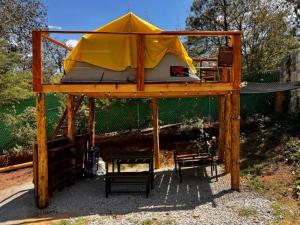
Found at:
[140, 89]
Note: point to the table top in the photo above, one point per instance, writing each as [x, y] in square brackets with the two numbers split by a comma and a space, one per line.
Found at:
[124, 155]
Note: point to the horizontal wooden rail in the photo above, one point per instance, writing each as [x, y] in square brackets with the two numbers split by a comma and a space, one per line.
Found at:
[177, 33]
[205, 59]
[162, 94]
[15, 167]
[125, 88]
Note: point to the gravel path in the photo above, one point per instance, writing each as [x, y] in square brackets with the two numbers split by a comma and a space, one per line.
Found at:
[198, 200]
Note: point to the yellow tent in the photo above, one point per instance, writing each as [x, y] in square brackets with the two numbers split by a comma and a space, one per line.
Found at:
[118, 52]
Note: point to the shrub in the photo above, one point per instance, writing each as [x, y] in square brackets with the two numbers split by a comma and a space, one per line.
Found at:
[22, 126]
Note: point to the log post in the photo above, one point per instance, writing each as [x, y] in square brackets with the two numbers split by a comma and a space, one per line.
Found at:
[91, 122]
[279, 98]
[42, 167]
[236, 72]
[35, 170]
[235, 154]
[221, 105]
[155, 133]
[70, 117]
[228, 130]
[37, 68]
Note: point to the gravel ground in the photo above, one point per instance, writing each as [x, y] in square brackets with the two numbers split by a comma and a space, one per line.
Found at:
[198, 200]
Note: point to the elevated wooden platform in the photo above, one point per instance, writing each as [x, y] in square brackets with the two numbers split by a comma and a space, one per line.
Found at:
[228, 92]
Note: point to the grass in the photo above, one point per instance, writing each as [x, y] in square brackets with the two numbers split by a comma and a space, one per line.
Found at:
[155, 221]
[77, 221]
[247, 212]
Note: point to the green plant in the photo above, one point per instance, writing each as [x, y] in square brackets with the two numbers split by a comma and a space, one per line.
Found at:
[22, 126]
[256, 184]
[154, 221]
[247, 212]
[292, 154]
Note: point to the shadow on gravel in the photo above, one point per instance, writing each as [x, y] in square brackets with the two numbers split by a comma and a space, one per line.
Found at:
[87, 197]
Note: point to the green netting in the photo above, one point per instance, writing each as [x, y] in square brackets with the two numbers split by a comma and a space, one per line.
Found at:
[137, 113]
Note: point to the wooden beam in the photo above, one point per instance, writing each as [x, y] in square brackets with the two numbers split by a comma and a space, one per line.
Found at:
[151, 95]
[236, 65]
[179, 33]
[228, 116]
[279, 98]
[70, 117]
[221, 142]
[37, 69]
[225, 74]
[42, 178]
[16, 167]
[91, 122]
[155, 133]
[235, 154]
[158, 88]
[46, 37]
[78, 105]
[140, 71]
[208, 59]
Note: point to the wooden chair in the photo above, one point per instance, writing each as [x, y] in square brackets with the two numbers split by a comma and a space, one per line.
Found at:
[195, 154]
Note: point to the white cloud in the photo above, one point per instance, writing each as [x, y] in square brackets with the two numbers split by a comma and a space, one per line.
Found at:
[52, 27]
[71, 43]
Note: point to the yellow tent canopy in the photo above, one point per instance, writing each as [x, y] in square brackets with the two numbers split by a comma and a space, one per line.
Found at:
[118, 52]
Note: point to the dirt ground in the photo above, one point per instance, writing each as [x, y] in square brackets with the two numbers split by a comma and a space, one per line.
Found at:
[15, 178]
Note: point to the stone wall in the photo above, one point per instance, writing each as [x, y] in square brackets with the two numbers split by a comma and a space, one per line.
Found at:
[290, 71]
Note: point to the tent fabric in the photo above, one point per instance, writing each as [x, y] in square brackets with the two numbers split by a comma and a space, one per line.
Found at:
[119, 52]
[258, 88]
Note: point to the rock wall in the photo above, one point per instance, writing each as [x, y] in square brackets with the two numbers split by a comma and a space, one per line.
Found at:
[290, 71]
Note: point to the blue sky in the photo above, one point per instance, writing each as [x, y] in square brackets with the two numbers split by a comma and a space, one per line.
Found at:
[91, 14]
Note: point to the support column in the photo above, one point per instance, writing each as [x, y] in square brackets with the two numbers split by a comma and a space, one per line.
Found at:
[155, 133]
[42, 166]
[279, 98]
[70, 117]
[235, 155]
[235, 137]
[221, 142]
[91, 122]
[228, 116]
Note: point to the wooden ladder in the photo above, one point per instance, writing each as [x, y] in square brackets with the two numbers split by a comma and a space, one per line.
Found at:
[62, 120]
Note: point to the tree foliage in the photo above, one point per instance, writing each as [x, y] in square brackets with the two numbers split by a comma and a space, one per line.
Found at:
[267, 36]
[14, 82]
[17, 19]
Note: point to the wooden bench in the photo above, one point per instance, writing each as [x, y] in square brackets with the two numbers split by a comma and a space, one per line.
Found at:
[194, 154]
[128, 178]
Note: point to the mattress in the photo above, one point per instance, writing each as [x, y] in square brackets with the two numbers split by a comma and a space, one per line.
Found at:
[83, 72]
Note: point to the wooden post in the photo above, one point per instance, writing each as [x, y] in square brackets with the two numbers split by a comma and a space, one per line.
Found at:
[70, 116]
[279, 97]
[140, 72]
[236, 72]
[91, 122]
[221, 142]
[228, 130]
[155, 133]
[37, 61]
[235, 154]
[35, 170]
[42, 174]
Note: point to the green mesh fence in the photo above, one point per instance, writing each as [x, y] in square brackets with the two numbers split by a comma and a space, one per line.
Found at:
[137, 113]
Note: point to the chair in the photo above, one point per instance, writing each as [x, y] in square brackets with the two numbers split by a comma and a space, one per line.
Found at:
[195, 154]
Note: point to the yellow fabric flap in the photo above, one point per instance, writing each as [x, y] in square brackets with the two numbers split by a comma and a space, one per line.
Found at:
[118, 52]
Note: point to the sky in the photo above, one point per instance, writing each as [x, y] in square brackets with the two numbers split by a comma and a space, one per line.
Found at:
[91, 14]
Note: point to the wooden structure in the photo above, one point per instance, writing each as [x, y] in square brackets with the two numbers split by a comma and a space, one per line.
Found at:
[228, 91]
